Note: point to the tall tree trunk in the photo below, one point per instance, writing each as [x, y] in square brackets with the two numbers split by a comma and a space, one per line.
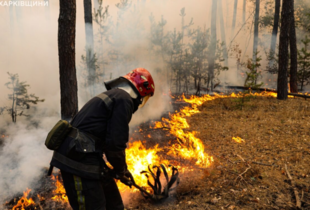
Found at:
[274, 32]
[89, 34]
[234, 19]
[223, 34]
[66, 52]
[244, 11]
[88, 24]
[256, 22]
[293, 51]
[212, 47]
[283, 50]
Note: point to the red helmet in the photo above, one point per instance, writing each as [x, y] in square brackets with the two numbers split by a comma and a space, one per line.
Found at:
[142, 80]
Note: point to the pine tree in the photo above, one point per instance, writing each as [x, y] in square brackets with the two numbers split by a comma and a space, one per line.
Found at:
[283, 51]
[183, 14]
[223, 34]
[252, 73]
[274, 33]
[199, 51]
[212, 48]
[66, 52]
[244, 11]
[90, 56]
[234, 18]
[101, 16]
[19, 97]
[175, 52]
[303, 74]
[256, 23]
[293, 51]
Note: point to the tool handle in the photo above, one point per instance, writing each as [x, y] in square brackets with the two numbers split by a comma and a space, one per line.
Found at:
[143, 190]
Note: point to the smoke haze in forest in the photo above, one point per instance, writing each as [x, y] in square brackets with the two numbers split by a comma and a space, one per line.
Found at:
[29, 47]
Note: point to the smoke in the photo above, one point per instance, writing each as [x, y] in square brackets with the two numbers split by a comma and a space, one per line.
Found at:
[23, 157]
[29, 47]
[128, 38]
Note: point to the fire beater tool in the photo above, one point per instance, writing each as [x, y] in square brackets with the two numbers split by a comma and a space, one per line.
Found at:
[159, 192]
[153, 173]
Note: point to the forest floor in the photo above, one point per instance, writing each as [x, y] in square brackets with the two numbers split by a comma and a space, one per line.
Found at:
[247, 175]
[250, 174]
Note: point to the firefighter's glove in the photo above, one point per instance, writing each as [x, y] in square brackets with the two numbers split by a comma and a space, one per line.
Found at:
[126, 178]
[117, 160]
[120, 171]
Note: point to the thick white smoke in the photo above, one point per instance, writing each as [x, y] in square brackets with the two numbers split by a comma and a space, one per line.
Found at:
[29, 47]
[23, 157]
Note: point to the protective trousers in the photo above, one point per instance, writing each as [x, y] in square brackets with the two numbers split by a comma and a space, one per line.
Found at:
[88, 194]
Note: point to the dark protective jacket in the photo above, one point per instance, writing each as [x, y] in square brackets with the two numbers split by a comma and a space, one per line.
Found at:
[103, 127]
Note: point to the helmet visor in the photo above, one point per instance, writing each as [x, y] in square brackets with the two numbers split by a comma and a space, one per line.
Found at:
[144, 100]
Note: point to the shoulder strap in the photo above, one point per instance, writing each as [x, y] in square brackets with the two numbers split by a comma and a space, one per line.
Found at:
[106, 99]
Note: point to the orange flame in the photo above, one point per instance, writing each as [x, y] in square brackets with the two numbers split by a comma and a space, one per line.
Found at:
[41, 198]
[138, 158]
[188, 145]
[59, 192]
[238, 139]
[24, 201]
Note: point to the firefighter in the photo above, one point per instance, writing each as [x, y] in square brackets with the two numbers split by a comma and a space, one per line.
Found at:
[101, 127]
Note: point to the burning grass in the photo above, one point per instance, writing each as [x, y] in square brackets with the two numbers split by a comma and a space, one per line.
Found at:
[230, 152]
[250, 174]
[49, 195]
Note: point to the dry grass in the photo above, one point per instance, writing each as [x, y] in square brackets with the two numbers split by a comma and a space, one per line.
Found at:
[248, 175]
